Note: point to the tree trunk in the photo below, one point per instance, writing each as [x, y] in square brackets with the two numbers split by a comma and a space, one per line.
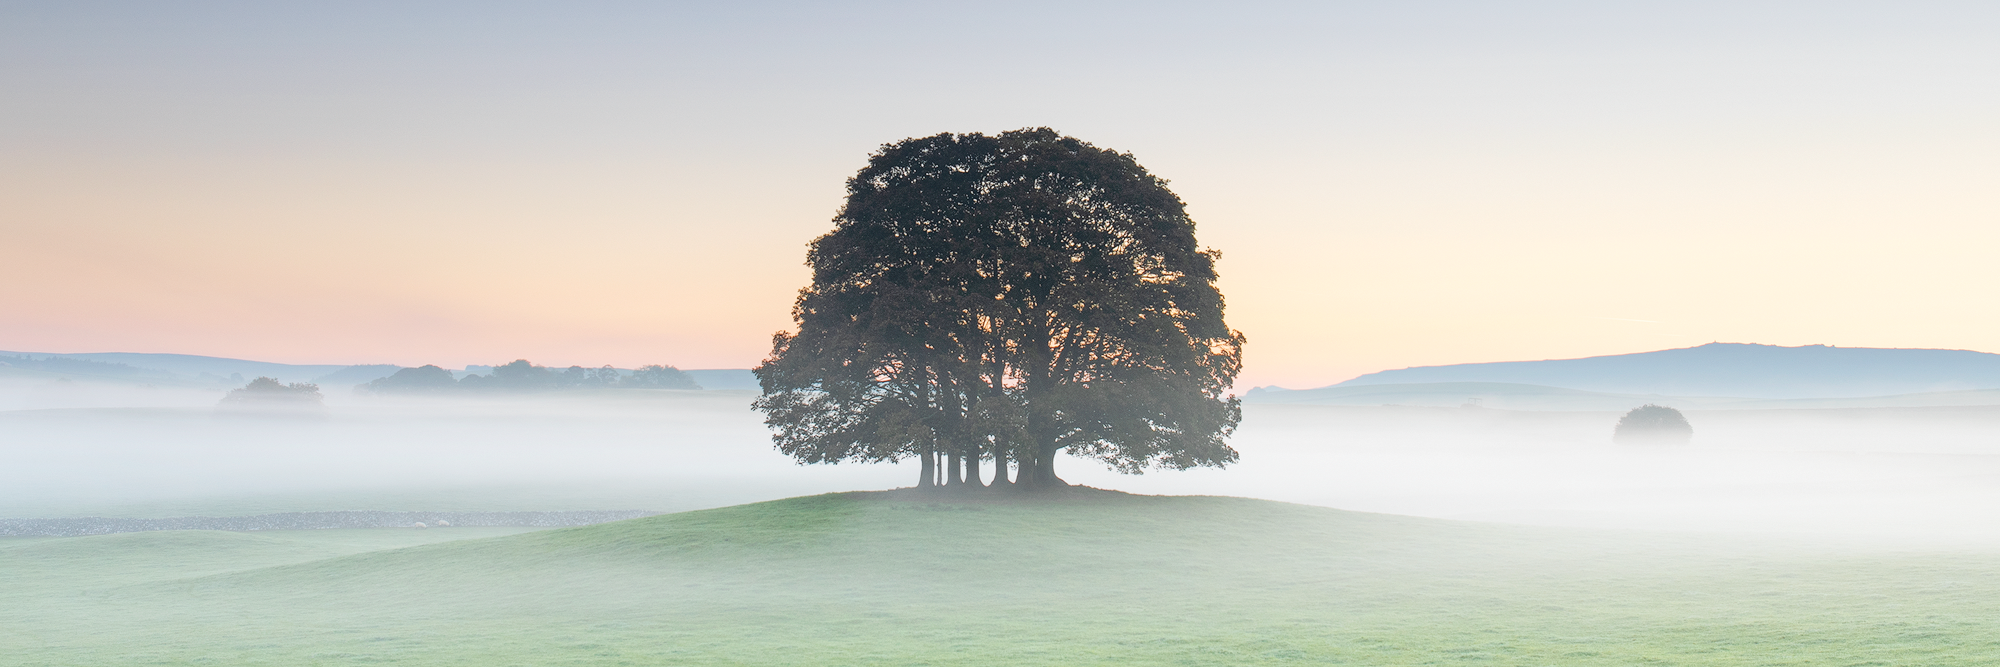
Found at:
[929, 473]
[1034, 453]
[1037, 469]
[1045, 468]
[952, 478]
[999, 468]
[1024, 468]
[972, 469]
[1042, 447]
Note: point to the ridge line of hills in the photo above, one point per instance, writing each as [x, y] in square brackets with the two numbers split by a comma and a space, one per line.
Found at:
[1724, 376]
[1716, 376]
[1528, 397]
[1747, 370]
[204, 371]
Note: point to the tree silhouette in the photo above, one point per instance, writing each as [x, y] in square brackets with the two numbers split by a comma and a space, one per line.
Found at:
[661, 377]
[1006, 297]
[269, 393]
[523, 376]
[426, 379]
[1653, 424]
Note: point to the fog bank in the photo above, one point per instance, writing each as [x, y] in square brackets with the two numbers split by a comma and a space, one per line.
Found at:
[1908, 473]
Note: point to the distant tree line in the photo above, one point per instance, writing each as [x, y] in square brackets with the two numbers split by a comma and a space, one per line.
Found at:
[521, 376]
[265, 392]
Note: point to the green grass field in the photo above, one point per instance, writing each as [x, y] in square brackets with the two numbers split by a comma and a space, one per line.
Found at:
[900, 578]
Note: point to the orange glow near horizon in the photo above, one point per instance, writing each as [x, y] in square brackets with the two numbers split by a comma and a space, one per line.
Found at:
[580, 190]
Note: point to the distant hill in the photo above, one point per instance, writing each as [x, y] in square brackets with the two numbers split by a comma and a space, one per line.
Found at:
[1505, 396]
[1496, 395]
[200, 370]
[56, 365]
[1745, 370]
[218, 368]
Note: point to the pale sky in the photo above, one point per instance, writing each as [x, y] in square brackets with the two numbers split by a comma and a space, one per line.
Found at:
[1391, 184]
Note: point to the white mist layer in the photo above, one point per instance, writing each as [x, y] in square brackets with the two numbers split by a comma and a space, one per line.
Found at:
[1930, 473]
[1909, 474]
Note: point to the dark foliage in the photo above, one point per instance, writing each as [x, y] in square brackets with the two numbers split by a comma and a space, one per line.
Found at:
[1006, 297]
[518, 375]
[522, 376]
[269, 392]
[426, 379]
[661, 377]
[1653, 424]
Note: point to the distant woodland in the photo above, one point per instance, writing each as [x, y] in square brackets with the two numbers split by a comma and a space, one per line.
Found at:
[265, 392]
[523, 376]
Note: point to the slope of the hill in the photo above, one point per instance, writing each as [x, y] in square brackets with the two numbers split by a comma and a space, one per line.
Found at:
[192, 366]
[1496, 395]
[66, 565]
[1082, 578]
[1732, 369]
[1506, 396]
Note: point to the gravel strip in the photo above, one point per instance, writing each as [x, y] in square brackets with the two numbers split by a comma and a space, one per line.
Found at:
[308, 521]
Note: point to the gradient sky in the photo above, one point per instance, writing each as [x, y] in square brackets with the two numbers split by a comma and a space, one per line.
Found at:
[1391, 184]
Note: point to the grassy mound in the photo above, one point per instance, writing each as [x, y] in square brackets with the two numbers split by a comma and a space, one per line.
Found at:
[100, 562]
[1084, 577]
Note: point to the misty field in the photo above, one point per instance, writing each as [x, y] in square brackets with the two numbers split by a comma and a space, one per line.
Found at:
[1920, 474]
[898, 578]
[1904, 502]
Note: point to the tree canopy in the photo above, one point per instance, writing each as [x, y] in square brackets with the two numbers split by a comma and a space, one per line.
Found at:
[1006, 298]
[425, 379]
[1653, 423]
[522, 376]
[661, 377]
[269, 394]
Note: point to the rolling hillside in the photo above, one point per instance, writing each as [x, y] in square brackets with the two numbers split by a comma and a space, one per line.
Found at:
[1085, 578]
[195, 369]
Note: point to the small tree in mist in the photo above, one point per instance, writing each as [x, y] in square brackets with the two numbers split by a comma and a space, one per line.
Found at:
[267, 392]
[1653, 424]
[657, 376]
[426, 379]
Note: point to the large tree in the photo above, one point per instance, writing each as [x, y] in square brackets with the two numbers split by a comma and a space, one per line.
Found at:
[1006, 297]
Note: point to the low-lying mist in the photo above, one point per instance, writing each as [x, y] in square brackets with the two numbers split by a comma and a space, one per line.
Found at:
[1929, 473]
[1905, 473]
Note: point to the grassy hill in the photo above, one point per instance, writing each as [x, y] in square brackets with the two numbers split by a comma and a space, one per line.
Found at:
[903, 578]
